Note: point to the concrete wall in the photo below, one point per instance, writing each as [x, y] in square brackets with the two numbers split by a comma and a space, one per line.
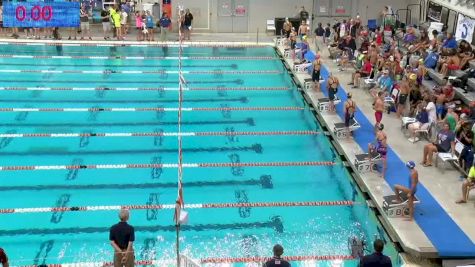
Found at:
[205, 11]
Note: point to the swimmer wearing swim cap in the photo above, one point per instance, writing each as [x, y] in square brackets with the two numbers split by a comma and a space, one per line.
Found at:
[410, 190]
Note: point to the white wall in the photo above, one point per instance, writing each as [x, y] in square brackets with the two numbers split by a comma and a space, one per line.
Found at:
[205, 11]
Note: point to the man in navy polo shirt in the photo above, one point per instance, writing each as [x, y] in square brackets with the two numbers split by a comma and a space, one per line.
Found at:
[277, 261]
[122, 237]
[377, 259]
[165, 23]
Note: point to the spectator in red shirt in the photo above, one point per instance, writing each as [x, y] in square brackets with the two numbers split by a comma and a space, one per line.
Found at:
[3, 258]
[365, 71]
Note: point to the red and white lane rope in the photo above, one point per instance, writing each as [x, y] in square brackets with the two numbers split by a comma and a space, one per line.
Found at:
[134, 44]
[246, 72]
[171, 165]
[186, 206]
[144, 89]
[136, 57]
[206, 261]
[179, 109]
[146, 134]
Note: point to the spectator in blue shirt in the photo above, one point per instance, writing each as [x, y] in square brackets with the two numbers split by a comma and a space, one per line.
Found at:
[165, 23]
[377, 259]
[449, 45]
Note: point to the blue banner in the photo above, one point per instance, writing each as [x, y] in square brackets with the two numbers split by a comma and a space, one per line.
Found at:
[40, 14]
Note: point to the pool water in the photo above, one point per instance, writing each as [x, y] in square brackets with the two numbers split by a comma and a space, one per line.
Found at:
[82, 236]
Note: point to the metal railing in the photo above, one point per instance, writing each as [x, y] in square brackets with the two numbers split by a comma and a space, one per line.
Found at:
[186, 261]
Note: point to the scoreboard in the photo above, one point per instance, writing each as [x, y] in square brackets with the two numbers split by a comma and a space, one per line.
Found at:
[41, 14]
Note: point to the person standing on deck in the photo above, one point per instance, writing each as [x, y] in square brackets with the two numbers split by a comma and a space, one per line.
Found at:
[165, 23]
[3, 258]
[277, 260]
[410, 189]
[122, 237]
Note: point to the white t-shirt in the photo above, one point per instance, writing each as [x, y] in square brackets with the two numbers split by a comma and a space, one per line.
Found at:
[432, 112]
[123, 18]
[342, 30]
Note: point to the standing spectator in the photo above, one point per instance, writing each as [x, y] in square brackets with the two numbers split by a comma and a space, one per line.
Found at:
[116, 19]
[123, 22]
[445, 143]
[328, 33]
[149, 23]
[84, 17]
[303, 14]
[465, 135]
[277, 260]
[106, 24]
[319, 32]
[188, 22]
[378, 107]
[139, 26]
[377, 259]
[303, 29]
[122, 236]
[3, 258]
[165, 23]
[364, 72]
[467, 185]
[343, 29]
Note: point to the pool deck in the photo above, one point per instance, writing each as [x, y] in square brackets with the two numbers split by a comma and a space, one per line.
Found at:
[443, 186]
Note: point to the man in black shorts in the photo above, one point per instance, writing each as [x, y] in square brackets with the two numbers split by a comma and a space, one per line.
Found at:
[277, 261]
[122, 237]
[317, 64]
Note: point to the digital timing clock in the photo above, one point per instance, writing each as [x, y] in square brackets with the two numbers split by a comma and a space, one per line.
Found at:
[40, 14]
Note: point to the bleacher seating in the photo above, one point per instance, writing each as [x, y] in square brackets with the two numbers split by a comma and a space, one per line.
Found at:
[437, 77]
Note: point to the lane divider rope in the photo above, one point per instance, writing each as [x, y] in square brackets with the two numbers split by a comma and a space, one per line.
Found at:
[149, 109]
[143, 71]
[146, 134]
[132, 44]
[187, 206]
[144, 89]
[134, 57]
[206, 261]
[170, 165]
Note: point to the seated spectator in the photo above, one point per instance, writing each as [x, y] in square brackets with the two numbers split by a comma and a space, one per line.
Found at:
[422, 122]
[449, 45]
[443, 96]
[380, 146]
[410, 37]
[377, 259]
[451, 63]
[445, 143]
[348, 42]
[345, 58]
[365, 71]
[467, 185]
[364, 44]
[422, 45]
[465, 53]
[384, 84]
[378, 37]
[451, 118]
[465, 136]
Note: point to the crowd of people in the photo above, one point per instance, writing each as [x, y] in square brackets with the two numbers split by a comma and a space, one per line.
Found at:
[117, 21]
[393, 62]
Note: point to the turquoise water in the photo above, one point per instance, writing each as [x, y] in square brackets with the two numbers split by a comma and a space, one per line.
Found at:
[69, 237]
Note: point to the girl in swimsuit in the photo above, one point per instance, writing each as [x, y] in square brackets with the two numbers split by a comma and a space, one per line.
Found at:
[380, 147]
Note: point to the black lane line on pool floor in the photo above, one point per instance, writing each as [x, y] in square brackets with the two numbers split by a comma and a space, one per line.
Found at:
[257, 148]
[274, 223]
[126, 101]
[265, 182]
[248, 121]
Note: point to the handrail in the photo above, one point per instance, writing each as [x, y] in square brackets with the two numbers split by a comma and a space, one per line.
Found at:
[186, 261]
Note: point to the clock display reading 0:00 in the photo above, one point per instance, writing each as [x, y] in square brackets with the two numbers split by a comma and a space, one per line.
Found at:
[37, 13]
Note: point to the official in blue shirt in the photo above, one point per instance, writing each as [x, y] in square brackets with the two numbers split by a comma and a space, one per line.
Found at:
[165, 23]
[450, 42]
[377, 259]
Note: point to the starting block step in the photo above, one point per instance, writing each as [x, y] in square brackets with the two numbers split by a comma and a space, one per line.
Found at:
[324, 103]
[393, 208]
[364, 163]
[340, 128]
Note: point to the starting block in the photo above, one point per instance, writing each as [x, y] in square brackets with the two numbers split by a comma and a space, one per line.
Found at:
[364, 163]
[340, 128]
[287, 53]
[394, 209]
[308, 84]
[324, 103]
[302, 68]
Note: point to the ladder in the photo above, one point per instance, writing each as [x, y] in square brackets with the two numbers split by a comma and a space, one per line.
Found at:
[186, 261]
